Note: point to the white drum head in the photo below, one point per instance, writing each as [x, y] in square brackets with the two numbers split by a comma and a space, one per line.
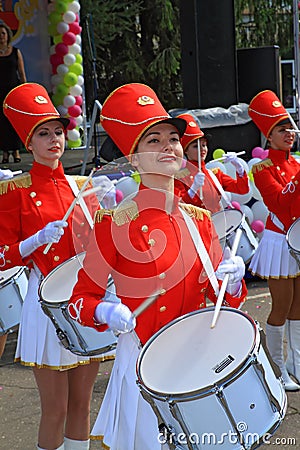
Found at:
[58, 285]
[188, 355]
[293, 236]
[9, 273]
[226, 221]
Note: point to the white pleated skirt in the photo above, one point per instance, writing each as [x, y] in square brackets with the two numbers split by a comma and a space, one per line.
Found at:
[272, 258]
[125, 420]
[38, 344]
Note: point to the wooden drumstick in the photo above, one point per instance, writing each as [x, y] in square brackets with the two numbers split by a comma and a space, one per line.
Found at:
[219, 302]
[72, 206]
[146, 303]
[199, 166]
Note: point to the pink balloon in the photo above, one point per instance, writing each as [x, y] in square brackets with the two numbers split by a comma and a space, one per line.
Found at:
[257, 226]
[61, 49]
[69, 38]
[265, 154]
[78, 100]
[72, 123]
[119, 196]
[257, 152]
[74, 111]
[236, 205]
[56, 60]
[75, 28]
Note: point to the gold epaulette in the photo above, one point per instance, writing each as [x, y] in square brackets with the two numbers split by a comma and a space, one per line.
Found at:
[20, 181]
[182, 173]
[215, 170]
[80, 180]
[195, 211]
[261, 165]
[122, 214]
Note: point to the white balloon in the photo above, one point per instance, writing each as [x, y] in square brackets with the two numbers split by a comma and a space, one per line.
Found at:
[62, 69]
[255, 192]
[216, 165]
[52, 50]
[69, 17]
[62, 110]
[62, 28]
[248, 212]
[80, 80]
[78, 120]
[73, 135]
[242, 199]
[76, 90]
[74, 6]
[69, 100]
[69, 59]
[260, 211]
[78, 39]
[74, 49]
[56, 79]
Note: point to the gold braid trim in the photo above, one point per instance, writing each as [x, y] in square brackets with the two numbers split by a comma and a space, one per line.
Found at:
[20, 181]
[120, 215]
[182, 173]
[262, 165]
[195, 211]
[215, 170]
[80, 180]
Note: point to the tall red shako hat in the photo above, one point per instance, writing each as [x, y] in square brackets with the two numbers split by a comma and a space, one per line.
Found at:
[27, 106]
[192, 131]
[267, 111]
[129, 111]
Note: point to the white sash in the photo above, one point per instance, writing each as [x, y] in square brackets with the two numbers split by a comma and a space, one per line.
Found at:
[81, 201]
[220, 188]
[202, 252]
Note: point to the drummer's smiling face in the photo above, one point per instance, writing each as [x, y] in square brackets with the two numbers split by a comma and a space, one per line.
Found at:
[280, 138]
[47, 143]
[159, 151]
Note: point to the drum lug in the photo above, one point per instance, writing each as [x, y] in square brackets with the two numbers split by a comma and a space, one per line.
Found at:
[63, 338]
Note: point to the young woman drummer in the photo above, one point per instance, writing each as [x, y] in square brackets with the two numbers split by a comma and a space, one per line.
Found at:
[277, 179]
[190, 179]
[32, 206]
[148, 248]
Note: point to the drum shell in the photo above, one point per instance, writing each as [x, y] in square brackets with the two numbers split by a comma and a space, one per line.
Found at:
[54, 292]
[293, 240]
[13, 288]
[251, 395]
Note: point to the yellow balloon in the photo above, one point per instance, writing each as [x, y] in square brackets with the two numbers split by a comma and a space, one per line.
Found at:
[250, 175]
[218, 153]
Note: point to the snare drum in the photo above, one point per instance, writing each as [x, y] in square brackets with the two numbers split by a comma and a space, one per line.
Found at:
[55, 291]
[293, 240]
[226, 223]
[13, 288]
[211, 386]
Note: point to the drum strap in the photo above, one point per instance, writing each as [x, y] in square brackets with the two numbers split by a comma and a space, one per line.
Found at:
[202, 252]
[81, 201]
[220, 188]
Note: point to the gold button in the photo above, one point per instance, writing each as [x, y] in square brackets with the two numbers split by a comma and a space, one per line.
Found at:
[162, 276]
[294, 218]
[38, 203]
[82, 224]
[162, 292]
[283, 173]
[56, 258]
[203, 290]
[144, 228]
[204, 274]
[162, 309]
[8, 261]
[151, 242]
[296, 182]
[202, 305]
[292, 177]
[278, 168]
[78, 235]
[32, 194]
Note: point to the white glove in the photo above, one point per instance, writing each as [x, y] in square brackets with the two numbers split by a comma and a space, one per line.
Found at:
[52, 232]
[234, 266]
[107, 191]
[199, 179]
[6, 174]
[117, 316]
[232, 158]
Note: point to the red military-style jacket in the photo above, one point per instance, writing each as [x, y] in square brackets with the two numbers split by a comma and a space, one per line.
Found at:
[28, 203]
[148, 250]
[277, 179]
[211, 194]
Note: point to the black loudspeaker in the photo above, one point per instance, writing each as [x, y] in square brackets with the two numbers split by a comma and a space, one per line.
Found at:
[208, 54]
[235, 138]
[258, 69]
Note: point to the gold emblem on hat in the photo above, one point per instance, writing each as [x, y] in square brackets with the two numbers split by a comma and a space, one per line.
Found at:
[145, 100]
[192, 124]
[40, 99]
[276, 104]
